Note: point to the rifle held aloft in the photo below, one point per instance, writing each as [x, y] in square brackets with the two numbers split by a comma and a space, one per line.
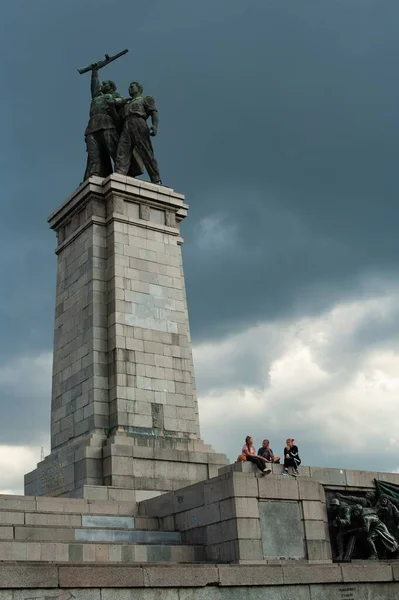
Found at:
[102, 63]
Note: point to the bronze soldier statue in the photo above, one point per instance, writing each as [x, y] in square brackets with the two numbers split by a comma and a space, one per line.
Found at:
[103, 130]
[101, 134]
[374, 529]
[389, 514]
[345, 520]
[135, 134]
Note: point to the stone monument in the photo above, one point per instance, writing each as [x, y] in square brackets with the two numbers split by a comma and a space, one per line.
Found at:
[124, 410]
[144, 507]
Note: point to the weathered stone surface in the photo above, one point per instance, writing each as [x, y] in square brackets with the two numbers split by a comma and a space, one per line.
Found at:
[244, 485]
[313, 510]
[277, 487]
[97, 576]
[188, 498]
[49, 534]
[316, 530]
[282, 530]
[310, 490]
[328, 476]
[352, 591]
[367, 572]
[198, 517]
[311, 574]
[6, 532]
[78, 594]
[187, 576]
[360, 478]
[28, 576]
[318, 550]
[14, 503]
[239, 507]
[159, 506]
[139, 594]
[249, 549]
[250, 575]
[11, 518]
[50, 519]
[210, 593]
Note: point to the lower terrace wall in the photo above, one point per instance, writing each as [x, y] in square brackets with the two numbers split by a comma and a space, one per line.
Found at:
[242, 518]
[200, 582]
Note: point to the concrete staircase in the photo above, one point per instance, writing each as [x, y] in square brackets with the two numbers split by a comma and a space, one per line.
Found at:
[39, 529]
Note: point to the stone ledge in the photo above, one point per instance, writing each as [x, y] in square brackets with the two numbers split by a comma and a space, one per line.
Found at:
[336, 478]
[100, 187]
[30, 575]
[366, 572]
[14, 575]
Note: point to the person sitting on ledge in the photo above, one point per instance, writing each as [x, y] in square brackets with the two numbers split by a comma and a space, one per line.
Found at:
[291, 457]
[267, 453]
[248, 450]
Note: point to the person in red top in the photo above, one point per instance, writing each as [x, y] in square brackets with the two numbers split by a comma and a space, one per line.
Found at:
[250, 453]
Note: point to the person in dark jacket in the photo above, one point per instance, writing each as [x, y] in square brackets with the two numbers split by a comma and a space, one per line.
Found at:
[291, 457]
[267, 453]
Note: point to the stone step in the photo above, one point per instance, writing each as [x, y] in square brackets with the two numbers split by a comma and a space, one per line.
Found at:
[88, 534]
[134, 537]
[108, 521]
[76, 520]
[64, 552]
[43, 504]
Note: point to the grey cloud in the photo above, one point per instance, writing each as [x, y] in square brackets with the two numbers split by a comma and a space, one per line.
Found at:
[25, 385]
[331, 417]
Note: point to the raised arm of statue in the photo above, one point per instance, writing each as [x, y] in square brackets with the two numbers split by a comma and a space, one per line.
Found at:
[352, 499]
[95, 83]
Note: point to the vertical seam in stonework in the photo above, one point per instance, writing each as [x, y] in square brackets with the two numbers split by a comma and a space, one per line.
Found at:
[146, 579]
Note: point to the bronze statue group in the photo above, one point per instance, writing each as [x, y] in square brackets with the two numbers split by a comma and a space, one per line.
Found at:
[117, 135]
[266, 456]
[364, 526]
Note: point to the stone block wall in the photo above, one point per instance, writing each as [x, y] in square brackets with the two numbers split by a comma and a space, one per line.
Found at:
[240, 517]
[123, 371]
[199, 582]
[80, 366]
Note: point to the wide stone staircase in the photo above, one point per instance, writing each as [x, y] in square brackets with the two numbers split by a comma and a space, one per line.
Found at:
[43, 529]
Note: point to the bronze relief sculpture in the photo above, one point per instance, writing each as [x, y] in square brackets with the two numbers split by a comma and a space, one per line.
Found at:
[365, 526]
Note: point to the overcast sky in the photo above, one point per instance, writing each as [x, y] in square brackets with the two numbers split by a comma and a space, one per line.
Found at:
[279, 121]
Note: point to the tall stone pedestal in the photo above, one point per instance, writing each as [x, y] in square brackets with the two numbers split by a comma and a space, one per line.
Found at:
[124, 410]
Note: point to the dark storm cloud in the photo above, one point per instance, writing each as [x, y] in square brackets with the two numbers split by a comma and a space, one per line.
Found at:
[278, 119]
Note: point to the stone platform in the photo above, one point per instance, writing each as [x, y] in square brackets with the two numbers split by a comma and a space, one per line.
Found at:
[199, 582]
[243, 533]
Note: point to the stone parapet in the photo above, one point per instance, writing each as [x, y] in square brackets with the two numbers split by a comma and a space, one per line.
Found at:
[329, 477]
[205, 582]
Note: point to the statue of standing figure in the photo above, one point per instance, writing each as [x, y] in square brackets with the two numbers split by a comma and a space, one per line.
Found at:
[135, 133]
[117, 132]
